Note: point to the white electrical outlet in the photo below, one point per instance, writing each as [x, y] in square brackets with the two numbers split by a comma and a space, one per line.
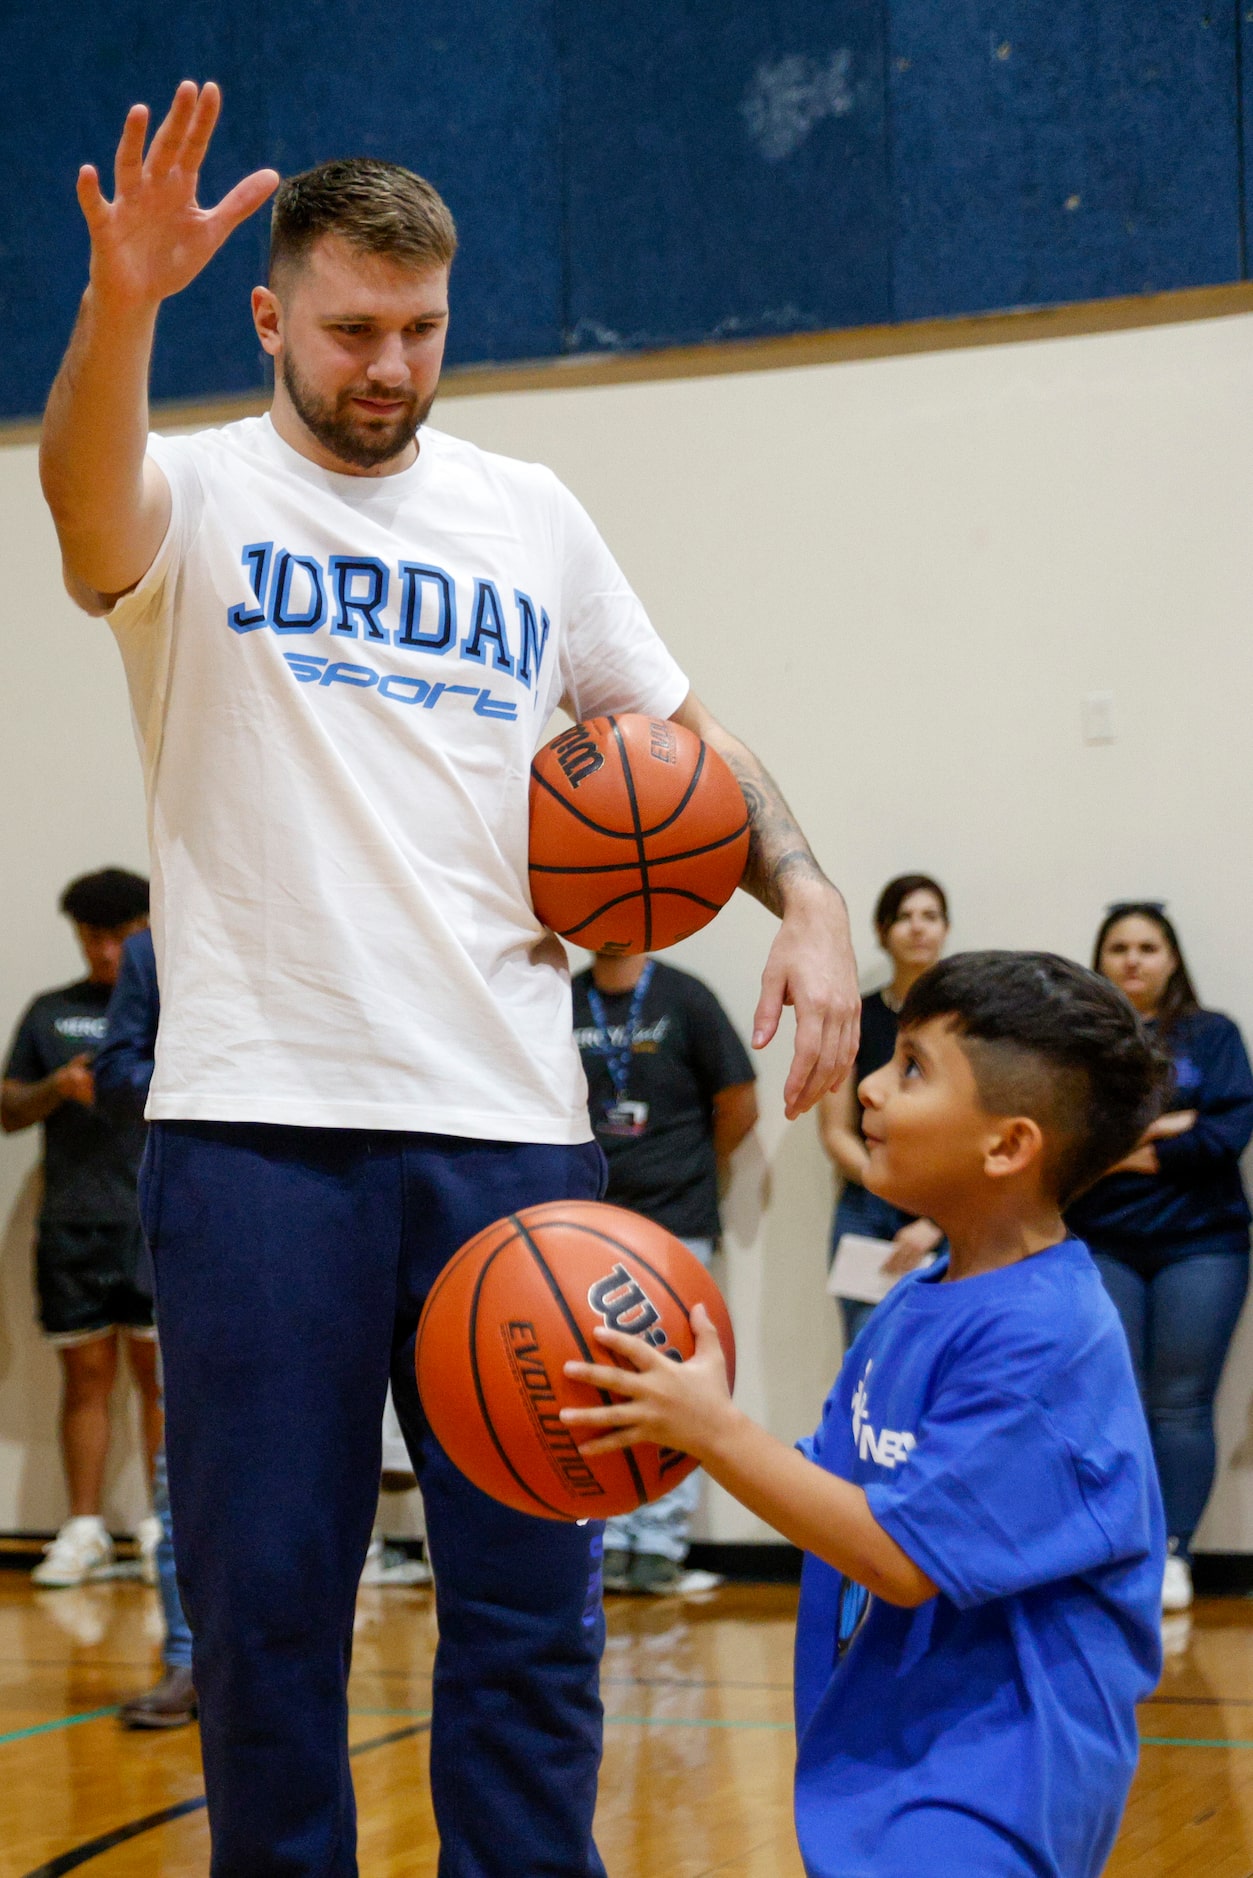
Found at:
[1097, 715]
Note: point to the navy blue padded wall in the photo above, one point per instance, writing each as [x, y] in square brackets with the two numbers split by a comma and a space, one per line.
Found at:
[658, 171]
[726, 168]
[1244, 8]
[464, 90]
[1066, 151]
[79, 70]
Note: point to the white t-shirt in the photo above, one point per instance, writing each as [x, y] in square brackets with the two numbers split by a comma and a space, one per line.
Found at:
[338, 685]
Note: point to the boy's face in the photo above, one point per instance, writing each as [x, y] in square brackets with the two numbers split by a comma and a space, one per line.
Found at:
[102, 948]
[927, 1133]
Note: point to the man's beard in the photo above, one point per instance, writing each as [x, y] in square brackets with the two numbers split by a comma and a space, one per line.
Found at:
[349, 434]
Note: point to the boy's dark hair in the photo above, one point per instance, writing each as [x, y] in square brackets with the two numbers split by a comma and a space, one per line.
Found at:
[1046, 1038]
[895, 894]
[1179, 998]
[377, 207]
[111, 898]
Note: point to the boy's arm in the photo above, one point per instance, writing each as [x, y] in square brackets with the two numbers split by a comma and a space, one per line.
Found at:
[688, 1406]
[22, 1104]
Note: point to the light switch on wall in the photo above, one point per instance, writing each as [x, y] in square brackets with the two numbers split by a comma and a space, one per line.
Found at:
[1098, 717]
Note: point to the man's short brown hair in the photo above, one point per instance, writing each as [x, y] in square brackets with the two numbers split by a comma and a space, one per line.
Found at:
[377, 207]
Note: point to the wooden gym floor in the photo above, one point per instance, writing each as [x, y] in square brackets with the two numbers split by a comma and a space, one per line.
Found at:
[697, 1759]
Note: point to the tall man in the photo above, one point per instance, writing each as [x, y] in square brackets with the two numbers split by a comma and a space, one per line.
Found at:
[343, 635]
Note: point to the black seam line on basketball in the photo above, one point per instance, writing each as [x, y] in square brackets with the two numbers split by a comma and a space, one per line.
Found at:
[484, 1412]
[633, 799]
[660, 893]
[617, 834]
[627, 1251]
[441, 1279]
[135, 1828]
[657, 860]
[588, 1355]
[659, 828]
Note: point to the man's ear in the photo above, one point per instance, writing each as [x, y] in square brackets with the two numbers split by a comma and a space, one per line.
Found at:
[1015, 1144]
[267, 317]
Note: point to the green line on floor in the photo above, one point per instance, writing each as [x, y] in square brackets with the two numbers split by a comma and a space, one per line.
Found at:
[49, 1727]
[1183, 1741]
[618, 1721]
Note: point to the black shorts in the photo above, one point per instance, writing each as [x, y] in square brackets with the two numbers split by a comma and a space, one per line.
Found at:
[85, 1276]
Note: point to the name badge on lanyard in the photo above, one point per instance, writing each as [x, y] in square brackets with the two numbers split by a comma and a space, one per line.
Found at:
[622, 1118]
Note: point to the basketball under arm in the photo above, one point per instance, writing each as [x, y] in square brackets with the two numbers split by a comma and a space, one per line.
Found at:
[110, 503]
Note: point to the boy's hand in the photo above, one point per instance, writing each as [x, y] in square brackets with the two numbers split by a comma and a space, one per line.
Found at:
[74, 1082]
[677, 1405]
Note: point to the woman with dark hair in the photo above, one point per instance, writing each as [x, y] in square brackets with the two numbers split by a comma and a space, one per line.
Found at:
[911, 924]
[1169, 1225]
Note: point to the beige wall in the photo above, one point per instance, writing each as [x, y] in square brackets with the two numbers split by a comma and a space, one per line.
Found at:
[898, 578]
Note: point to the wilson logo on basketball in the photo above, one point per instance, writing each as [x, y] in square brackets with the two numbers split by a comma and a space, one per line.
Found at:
[577, 755]
[540, 1397]
[622, 1302]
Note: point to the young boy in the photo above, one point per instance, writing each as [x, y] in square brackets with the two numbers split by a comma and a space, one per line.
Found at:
[979, 1611]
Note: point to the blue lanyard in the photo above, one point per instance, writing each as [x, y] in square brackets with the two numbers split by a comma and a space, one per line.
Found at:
[618, 1056]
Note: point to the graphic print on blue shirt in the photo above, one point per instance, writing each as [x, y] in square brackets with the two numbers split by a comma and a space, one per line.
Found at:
[995, 1427]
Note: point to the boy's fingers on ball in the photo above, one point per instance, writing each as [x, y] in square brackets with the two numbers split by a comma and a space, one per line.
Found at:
[641, 1354]
[604, 1415]
[604, 1376]
[607, 1444]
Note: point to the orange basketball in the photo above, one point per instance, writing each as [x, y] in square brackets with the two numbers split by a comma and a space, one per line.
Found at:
[519, 1301]
[639, 834]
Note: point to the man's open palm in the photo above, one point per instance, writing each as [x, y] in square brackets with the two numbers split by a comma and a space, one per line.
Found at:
[153, 238]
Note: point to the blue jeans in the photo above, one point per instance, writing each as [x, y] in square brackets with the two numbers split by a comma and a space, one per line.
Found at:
[1179, 1314]
[862, 1212]
[661, 1527]
[292, 1264]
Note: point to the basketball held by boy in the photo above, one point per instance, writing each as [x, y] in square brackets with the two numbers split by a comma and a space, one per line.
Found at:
[979, 1609]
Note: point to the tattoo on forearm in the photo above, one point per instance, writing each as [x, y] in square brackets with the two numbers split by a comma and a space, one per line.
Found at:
[777, 850]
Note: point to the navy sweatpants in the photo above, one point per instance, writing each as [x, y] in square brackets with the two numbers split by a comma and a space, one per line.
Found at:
[291, 1267]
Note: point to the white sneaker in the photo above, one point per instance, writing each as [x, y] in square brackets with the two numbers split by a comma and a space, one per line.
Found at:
[82, 1549]
[388, 1565]
[148, 1537]
[1176, 1584]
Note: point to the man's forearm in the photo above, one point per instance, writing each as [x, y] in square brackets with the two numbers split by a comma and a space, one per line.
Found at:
[780, 860]
[22, 1104]
[779, 856]
[95, 435]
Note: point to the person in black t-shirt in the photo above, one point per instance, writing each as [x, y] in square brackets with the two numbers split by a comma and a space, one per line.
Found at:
[911, 924]
[671, 1097]
[90, 1265]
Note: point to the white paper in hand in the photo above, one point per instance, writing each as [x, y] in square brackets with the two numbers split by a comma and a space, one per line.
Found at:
[857, 1269]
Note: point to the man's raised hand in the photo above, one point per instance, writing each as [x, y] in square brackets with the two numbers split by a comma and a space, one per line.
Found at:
[153, 238]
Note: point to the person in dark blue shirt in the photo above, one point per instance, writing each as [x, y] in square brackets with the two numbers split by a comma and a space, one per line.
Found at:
[1169, 1227]
[979, 1607]
[123, 1070]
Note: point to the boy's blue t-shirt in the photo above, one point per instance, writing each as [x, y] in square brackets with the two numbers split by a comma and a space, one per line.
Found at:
[995, 1426]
